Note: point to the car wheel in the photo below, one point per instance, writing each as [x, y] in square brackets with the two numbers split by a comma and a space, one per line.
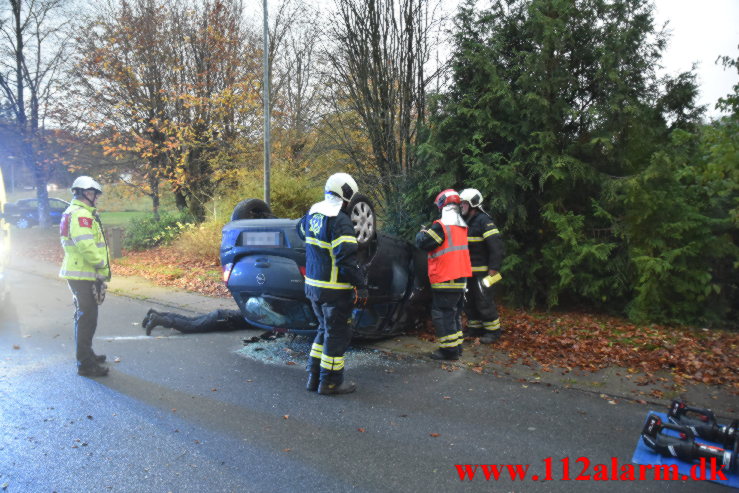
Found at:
[252, 209]
[362, 214]
[23, 223]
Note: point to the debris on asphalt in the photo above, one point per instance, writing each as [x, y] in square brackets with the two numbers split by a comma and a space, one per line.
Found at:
[293, 351]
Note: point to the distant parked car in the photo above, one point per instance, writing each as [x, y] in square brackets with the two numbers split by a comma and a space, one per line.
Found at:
[24, 212]
[263, 261]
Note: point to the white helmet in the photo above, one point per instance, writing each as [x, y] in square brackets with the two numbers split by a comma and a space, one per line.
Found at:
[86, 183]
[471, 195]
[342, 185]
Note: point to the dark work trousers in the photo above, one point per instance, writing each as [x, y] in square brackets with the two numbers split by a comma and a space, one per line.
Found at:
[446, 310]
[332, 338]
[216, 320]
[85, 320]
[482, 314]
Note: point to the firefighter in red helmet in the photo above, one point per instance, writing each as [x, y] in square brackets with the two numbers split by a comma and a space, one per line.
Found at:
[448, 267]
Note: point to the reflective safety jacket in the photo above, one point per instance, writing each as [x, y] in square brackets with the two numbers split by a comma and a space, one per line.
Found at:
[448, 256]
[331, 268]
[85, 250]
[485, 243]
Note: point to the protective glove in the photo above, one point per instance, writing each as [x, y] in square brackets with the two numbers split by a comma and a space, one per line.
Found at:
[360, 297]
[99, 288]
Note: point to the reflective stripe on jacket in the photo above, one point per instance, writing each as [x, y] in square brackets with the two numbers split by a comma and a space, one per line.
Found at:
[485, 243]
[451, 259]
[330, 256]
[85, 250]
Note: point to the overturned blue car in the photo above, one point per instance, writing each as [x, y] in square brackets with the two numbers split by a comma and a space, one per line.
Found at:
[263, 261]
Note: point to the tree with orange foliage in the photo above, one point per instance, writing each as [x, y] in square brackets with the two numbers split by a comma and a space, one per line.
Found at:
[171, 85]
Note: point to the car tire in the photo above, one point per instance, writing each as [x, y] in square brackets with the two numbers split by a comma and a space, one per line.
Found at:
[362, 214]
[23, 223]
[252, 209]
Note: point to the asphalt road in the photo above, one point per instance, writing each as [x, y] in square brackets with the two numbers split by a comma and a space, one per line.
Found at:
[201, 413]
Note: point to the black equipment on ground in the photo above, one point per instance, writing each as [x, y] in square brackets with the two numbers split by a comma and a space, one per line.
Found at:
[684, 447]
[703, 423]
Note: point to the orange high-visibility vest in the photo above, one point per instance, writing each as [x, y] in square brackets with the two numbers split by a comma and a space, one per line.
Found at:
[451, 260]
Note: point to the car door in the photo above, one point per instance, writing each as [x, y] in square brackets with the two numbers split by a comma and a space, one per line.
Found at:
[56, 209]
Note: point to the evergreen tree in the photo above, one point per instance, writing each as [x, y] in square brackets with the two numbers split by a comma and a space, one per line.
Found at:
[555, 113]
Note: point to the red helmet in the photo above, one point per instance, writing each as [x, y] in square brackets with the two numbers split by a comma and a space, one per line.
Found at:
[447, 197]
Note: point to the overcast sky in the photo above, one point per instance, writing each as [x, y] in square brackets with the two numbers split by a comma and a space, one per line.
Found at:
[702, 30]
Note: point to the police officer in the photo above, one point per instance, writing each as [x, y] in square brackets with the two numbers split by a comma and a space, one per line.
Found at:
[448, 266]
[86, 267]
[486, 254]
[333, 282]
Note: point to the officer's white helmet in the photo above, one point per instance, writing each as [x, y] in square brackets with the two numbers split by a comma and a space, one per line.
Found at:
[341, 184]
[86, 183]
[471, 195]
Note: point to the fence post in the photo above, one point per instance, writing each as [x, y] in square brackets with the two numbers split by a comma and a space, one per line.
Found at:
[115, 241]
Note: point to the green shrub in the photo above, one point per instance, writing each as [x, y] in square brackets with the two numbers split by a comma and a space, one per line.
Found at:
[201, 241]
[148, 232]
[291, 192]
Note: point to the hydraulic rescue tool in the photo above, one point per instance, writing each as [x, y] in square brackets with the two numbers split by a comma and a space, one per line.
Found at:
[684, 446]
[704, 424]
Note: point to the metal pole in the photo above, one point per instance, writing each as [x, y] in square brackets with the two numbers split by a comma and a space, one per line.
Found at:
[266, 104]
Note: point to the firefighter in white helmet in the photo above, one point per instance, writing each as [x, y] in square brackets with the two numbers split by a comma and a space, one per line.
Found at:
[333, 283]
[86, 267]
[486, 254]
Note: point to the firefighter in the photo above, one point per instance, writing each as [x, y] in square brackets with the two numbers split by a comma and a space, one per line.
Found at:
[486, 255]
[448, 267]
[86, 267]
[333, 282]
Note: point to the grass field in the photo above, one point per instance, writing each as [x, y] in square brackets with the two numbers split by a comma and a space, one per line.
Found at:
[121, 219]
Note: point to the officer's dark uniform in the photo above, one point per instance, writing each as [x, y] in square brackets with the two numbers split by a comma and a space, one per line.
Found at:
[486, 253]
[331, 274]
[447, 295]
[217, 320]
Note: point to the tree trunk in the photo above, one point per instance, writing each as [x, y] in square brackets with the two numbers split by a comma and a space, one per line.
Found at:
[39, 180]
[180, 200]
[197, 208]
[42, 196]
[154, 185]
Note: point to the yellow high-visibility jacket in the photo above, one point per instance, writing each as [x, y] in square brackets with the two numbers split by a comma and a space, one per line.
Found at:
[85, 250]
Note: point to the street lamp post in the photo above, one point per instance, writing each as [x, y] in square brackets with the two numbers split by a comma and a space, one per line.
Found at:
[265, 62]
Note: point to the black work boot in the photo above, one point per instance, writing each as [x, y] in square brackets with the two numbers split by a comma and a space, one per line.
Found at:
[312, 383]
[326, 388]
[100, 358]
[443, 355]
[490, 337]
[151, 320]
[94, 370]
